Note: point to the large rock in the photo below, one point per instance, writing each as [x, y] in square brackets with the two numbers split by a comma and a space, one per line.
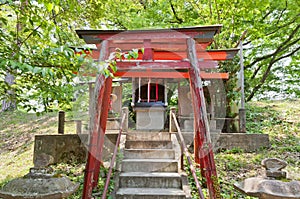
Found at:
[269, 189]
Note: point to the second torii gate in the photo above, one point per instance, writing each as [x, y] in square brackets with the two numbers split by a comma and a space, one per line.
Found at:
[168, 53]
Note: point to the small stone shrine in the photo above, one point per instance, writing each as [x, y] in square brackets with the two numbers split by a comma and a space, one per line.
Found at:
[39, 183]
[274, 167]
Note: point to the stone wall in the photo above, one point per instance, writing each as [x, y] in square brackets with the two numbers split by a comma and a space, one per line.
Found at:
[227, 141]
[53, 149]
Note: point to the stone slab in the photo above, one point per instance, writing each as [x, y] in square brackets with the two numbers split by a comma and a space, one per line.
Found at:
[158, 136]
[246, 142]
[53, 149]
[149, 165]
[141, 144]
[149, 153]
[228, 141]
[150, 180]
[150, 193]
[38, 188]
[274, 164]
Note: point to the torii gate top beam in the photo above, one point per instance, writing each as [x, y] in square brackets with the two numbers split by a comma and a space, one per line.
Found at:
[163, 49]
[199, 33]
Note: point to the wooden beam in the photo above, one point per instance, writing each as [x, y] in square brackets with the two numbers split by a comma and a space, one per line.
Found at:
[168, 74]
[214, 55]
[200, 33]
[202, 141]
[127, 65]
[136, 64]
[166, 45]
[148, 51]
[101, 131]
[93, 147]
[151, 74]
[220, 55]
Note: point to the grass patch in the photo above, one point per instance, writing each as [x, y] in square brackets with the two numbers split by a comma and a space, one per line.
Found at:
[279, 119]
[17, 131]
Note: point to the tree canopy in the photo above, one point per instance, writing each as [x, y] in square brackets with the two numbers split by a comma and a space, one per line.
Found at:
[36, 37]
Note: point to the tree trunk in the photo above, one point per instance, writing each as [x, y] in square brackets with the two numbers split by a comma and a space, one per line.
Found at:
[9, 103]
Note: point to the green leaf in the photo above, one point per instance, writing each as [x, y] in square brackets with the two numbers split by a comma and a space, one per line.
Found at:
[49, 7]
[56, 9]
[36, 70]
[113, 67]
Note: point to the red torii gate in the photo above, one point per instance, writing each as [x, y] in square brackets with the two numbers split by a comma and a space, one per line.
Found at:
[181, 50]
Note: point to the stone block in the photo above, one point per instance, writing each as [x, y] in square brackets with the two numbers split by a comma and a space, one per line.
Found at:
[67, 148]
[150, 118]
[61, 148]
[276, 174]
[246, 142]
[228, 141]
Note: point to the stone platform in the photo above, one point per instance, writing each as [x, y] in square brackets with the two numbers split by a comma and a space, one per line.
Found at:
[228, 141]
[67, 148]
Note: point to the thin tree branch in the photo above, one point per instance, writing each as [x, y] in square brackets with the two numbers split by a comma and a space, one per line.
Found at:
[284, 25]
[210, 8]
[266, 15]
[219, 18]
[267, 72]
[30, 34]
[55, 22]
[287, 46]
[241, 39]
[277, 50]
[175, 13]
[281, 13]
[287, 55]
[197, 8]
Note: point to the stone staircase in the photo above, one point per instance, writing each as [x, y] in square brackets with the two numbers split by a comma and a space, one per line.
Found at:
[150, 169]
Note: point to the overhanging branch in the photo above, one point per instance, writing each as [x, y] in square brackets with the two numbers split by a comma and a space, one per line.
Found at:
[280, 47]
[267, 72]
[175, 13]
[287, 46]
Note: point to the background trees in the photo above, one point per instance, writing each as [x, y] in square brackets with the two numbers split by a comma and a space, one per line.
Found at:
[36, 35]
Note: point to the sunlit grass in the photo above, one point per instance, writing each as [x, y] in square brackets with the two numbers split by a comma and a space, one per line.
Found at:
[17, 131]
[281, 120]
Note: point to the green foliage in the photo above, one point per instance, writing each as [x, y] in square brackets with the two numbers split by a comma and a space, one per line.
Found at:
[37, 53]
[271, 50]
[36, 36]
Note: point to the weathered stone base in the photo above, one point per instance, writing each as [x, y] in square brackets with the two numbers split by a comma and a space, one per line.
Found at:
[53, 149]
[227, 141]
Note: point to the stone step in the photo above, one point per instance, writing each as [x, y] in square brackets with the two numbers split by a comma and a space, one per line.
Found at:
[149, 153]
[150, 193]
[149, 165]
[140, 144]
[150, 180]
[155, 136]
